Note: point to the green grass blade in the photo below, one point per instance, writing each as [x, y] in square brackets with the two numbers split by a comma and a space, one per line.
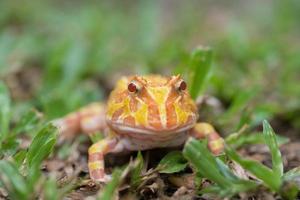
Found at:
[5, 112]
[10, 146]
[200, 67]
[224, 169]
[213, 168]
[204, 163]
[41, 145]
[292, 174]
[74, 64]
[13, 180]
[136, 174]
[238, 187]
[240, 101]
[270, 140]
[214, 189]
[109, 191]
[28, 122]
[238, 140]
[172, 162]
[290, 190]
[19, 157]
[262, 172]
[50, 189]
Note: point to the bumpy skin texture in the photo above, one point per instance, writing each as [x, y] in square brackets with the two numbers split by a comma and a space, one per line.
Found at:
[142, 112]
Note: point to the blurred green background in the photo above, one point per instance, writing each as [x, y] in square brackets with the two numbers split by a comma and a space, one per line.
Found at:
[59, 55]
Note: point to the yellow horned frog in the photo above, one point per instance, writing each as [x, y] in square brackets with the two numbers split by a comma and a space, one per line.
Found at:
[142, 112]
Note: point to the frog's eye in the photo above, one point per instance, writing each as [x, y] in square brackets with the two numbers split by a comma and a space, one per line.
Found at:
[181, 85]
[133, 87]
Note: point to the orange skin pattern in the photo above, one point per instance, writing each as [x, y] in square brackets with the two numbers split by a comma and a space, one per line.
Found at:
[143, 112]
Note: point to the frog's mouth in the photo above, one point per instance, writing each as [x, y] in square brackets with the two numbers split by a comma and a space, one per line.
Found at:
[124, 128]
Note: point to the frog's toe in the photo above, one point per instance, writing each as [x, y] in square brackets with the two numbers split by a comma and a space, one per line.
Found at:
[104, 179]
[99, 176]
[107, 178]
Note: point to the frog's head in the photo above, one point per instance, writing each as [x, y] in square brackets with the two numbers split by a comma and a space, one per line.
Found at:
[151, 104]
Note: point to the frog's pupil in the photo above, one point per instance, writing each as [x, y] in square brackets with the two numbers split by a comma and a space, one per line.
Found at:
[182, 85]
[132, 87]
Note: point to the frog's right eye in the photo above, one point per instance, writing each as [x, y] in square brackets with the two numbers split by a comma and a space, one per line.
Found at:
[181, 85]
[133, 87]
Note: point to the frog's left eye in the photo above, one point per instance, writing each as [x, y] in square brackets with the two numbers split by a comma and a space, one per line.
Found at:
[181, 85]
[132, 87]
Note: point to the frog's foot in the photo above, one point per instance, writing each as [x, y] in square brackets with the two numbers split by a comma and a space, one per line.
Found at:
[215, 141]
[98, 176]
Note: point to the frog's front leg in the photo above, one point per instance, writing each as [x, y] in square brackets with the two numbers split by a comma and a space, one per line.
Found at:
[96, 157]
[205, 130]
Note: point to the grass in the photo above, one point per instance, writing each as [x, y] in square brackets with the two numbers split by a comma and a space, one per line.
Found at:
[205, 165]
[51, 64]
[21, 174]
[227, 182]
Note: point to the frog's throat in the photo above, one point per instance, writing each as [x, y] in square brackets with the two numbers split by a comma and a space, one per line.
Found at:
[122, 128]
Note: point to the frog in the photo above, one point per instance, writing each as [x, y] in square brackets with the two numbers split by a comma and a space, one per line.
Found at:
[142, 112]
